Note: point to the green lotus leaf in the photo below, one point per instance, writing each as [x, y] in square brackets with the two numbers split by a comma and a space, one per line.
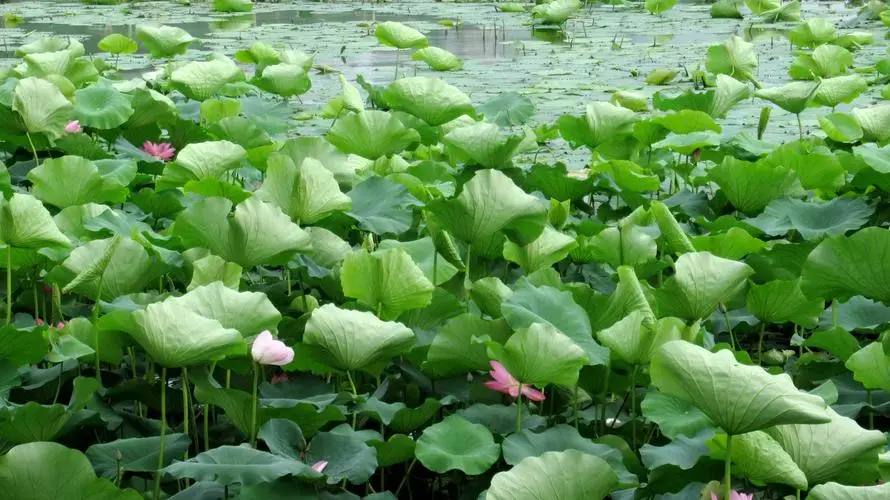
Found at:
[307, 193]
[41, 107]
[734, 244]
[201, 80]
[541, 355]
[812, 33]
[26, 223]
[508, 109]
[164, 41]
[382, 206]
[835, 491]
[116, 43]
[629, 176]
[352, 100]
[555, 475]
[844, 266]
[348, 458]
[854, 40]
[750, 187]
[529, 305]
[674, 416]
[285, 80]
[456, 444]
[661, 76]
[551, 247]
[759, 7]
[136, 454]
[355, 340]
[453, 352]
[438, 59]
[490, 208]
[841, 127]
[151, 107]
[789, 11]
[738, 398]
[633, 101]
[232, 6]
[813, 220]
[870, 366]
[395, 34]
[556, 12]
[618, 246]
[51, 44]
[687, 144]
[601, 122]
[423, 251]
[371, 134]
[825, 61]
[484, 144]
[239, 464]
[122, 268]
[32, 472]
[72, 180]
[211, 268]
[658, 7]
[781, 301]
[726, 9]
[793, 97]
[606, 310]
[635, 338]
[259, 232]
[259, 53]
[101, 107]
[429, 99]
[875, 122]
[758, 457]
[202, 160]
[388, 281]
[686, 121]
[670, 229]
[839, 90]
[816, 166]
[702, 282]
[734, 57]
[839, 450]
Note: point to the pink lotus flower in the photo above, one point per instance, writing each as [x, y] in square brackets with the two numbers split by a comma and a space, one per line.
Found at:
[162, 150]
[39, 322]
[73, 127]
[735, 496]
[506, 383]
[268, 351]
[320, 465]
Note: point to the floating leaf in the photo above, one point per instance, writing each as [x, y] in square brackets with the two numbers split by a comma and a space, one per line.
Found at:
[456, 444]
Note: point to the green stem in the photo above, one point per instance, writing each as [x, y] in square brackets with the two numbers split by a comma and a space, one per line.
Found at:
[405, 477]
[354, 398]
[727, 469]
[603, 405]
[254, 403]
[36, 303]
[760, 343]
[184, 382]
[468, 282]
[633, 406]
[575, 406]
[728, 326]
[207, 414]
[519, 414]
[95, 321]
[8, 284]
[33, 149]
[834, 313]
[797, 495]
[158, 474]
[395, 76]
[799, 126]
[871, 413]
[287, 277]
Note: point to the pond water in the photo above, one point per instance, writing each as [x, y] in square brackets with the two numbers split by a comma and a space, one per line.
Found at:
[602, 50]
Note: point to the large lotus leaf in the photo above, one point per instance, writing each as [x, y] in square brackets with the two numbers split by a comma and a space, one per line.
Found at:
[759, 7]
[136, 454]
[541, 355]
[72, 180]
[382, 206]
[789, 11]
[285, 80]
[813, 220]
[701, 283]
[423, 251]
[47, 64]
[687, 121]
[687, 144]
[670, 228]
[395, 34]
[51, 44]
[232, 5]
[41, 106]
[529, 305]
[601, 122]
[388, 281]
[841, 127]
[812, 32]
[101, 107]
[307, 193]
[164, 41]
[875, 122]
[130, 268]
[674, 416]
[489, 208]
[259, 232]
[635, 338]
[628, 176]
[457, 444]
[556, 12]
[751, 186]
[761, 459]
[202, 160]
[453, 351]
[793, 97]
[42, 470]
[371, 134]
[825, 61]
[438, 59]
[355, 340]
[211, 269]
[239, 464]
[429, 99]
[26, 223]
[347, 456]
[605, 310]
[734, 57]
[117, 43]
[839, 450]
[870, 366]
[551, 247]
[736, 397]
[151, 107]
[247, 312]
[201, 80]
[844, 266]
[555, 475]
[839, 90]
[484, 144]
[626, 244]
[734, 244]
[657, 7]
[836, 491]
[508, 109]
[817, 167]
[729, 92]
[781, 301]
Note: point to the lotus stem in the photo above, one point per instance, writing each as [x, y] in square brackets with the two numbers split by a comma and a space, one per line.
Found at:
[519, 413]
[633, 406]
[760, 343]
[36, 302]
[834, 313]
[95, 321]
[354, 398]
[8, 284]
[728, 326]
[395, 76]
[158, 474]
[727, 479]
[33, 149]
[184, 382]
[254, 403]
[207, 414]
[575, 406]
[603, 405]
[799, 126]
[871, 411]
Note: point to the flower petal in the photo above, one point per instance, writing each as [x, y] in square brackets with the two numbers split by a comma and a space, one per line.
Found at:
[532, 393]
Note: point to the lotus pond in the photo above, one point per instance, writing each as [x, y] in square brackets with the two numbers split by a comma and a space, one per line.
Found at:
[626, 250]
